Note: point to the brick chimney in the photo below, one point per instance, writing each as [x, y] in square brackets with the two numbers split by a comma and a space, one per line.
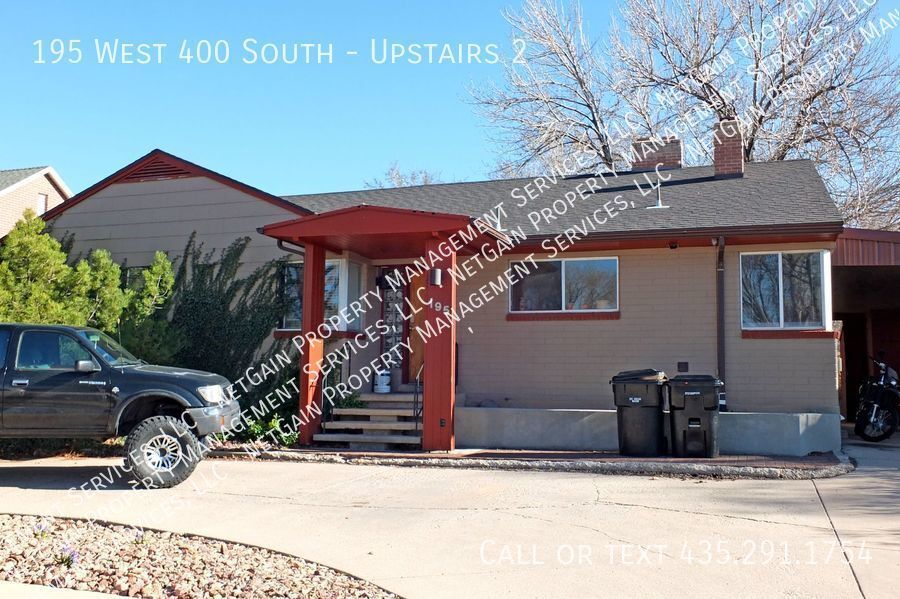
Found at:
[648, 152]
[728, 149]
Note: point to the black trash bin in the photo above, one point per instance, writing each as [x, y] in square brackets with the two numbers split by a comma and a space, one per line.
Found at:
[639, 411]
[694, 415]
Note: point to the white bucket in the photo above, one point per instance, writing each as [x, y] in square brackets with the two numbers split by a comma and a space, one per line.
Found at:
[382, 382]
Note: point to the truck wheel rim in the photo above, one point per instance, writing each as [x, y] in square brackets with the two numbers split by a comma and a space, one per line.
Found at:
[162, 452]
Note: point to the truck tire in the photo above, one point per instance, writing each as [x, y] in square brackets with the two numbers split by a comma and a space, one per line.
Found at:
[161, 452]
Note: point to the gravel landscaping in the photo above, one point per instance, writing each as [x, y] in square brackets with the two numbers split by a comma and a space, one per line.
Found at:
[126, 561]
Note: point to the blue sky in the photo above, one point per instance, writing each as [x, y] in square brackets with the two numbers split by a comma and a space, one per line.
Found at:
[286, 129]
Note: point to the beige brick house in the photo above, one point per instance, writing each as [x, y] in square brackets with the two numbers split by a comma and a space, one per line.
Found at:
[37, 188]
[722, 269]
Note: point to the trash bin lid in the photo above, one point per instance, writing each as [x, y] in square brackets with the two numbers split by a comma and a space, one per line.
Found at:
[695, 379]
[647, 375]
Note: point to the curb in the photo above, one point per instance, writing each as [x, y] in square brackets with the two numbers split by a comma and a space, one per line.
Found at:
[642, 468]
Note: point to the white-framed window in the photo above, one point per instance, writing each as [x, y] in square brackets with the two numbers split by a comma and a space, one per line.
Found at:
[291, 289]
[43, 203]
[785, 290]
[569, 285]
[343, 284]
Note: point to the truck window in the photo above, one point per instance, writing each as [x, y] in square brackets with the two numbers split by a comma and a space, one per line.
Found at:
[45, 350]
[4, 345]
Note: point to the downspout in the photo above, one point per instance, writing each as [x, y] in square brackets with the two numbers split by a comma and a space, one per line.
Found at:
[296, 249]
[282, 245]
[720, 313]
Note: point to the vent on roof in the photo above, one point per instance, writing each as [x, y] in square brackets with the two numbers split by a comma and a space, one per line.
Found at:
[154, 170]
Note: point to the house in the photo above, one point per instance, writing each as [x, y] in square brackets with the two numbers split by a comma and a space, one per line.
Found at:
[723, 269]
[157, 202]
[39, 188]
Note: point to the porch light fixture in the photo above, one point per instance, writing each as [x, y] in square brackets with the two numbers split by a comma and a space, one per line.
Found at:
[435, 277]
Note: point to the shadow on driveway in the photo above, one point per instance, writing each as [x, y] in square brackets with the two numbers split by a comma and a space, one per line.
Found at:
[101, 478]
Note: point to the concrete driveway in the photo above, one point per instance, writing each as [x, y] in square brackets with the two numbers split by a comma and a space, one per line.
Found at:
[449, 533]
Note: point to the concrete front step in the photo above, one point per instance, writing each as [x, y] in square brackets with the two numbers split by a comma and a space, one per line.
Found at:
[373, 412]
[386, 439]
[369, 425]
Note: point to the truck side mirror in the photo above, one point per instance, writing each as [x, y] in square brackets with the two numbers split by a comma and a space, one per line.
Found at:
[86, 366]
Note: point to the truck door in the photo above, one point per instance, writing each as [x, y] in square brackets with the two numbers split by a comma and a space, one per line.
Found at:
[4, 347]
[42, 389]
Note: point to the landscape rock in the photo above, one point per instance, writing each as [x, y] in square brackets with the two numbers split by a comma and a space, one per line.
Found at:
[107, 558]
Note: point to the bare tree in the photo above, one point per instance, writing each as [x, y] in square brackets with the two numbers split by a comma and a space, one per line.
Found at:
[805, 79]
[551, 105]
[394, 177]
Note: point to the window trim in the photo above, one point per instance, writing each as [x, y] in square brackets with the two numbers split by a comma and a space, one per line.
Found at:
[562, 278]
[824, 291]
[282, 290]
[343, 300]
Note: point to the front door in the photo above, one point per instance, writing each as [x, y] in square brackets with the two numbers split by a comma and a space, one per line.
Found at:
[403, 312]
[43, 391]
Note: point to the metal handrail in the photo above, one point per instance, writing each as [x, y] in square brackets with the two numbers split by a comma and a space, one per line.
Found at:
[417, 409]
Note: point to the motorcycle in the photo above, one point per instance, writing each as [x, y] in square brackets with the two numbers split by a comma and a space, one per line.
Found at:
[876, 417]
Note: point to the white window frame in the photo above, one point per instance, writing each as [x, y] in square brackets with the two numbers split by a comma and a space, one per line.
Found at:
[344, 300]
[824, 291]
[562, 279]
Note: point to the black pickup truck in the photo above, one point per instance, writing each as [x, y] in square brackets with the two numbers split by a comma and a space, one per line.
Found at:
[75, 382]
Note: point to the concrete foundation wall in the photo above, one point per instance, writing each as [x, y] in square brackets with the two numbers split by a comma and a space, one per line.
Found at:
[596, 430]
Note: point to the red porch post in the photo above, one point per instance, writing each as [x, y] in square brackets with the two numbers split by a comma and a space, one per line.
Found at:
[313, 316]
[440, 358]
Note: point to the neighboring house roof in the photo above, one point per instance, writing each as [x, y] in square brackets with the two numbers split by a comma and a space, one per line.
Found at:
[786, 195]
[14, 178]
[158, 165]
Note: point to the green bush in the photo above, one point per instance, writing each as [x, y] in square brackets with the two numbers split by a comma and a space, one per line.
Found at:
[283, 433]
[218, 320]
[215, 319]
[39, 285]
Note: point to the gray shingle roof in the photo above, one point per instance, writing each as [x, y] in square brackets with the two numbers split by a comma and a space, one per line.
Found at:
[788, 192]
[13, 176]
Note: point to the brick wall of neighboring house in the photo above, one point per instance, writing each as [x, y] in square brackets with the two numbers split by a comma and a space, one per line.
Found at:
[15, 202]
[667, 315]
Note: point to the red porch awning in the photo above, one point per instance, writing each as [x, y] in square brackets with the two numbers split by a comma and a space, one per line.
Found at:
[375, 231]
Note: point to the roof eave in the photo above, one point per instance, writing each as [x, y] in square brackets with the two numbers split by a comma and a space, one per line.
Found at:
[828, 228]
